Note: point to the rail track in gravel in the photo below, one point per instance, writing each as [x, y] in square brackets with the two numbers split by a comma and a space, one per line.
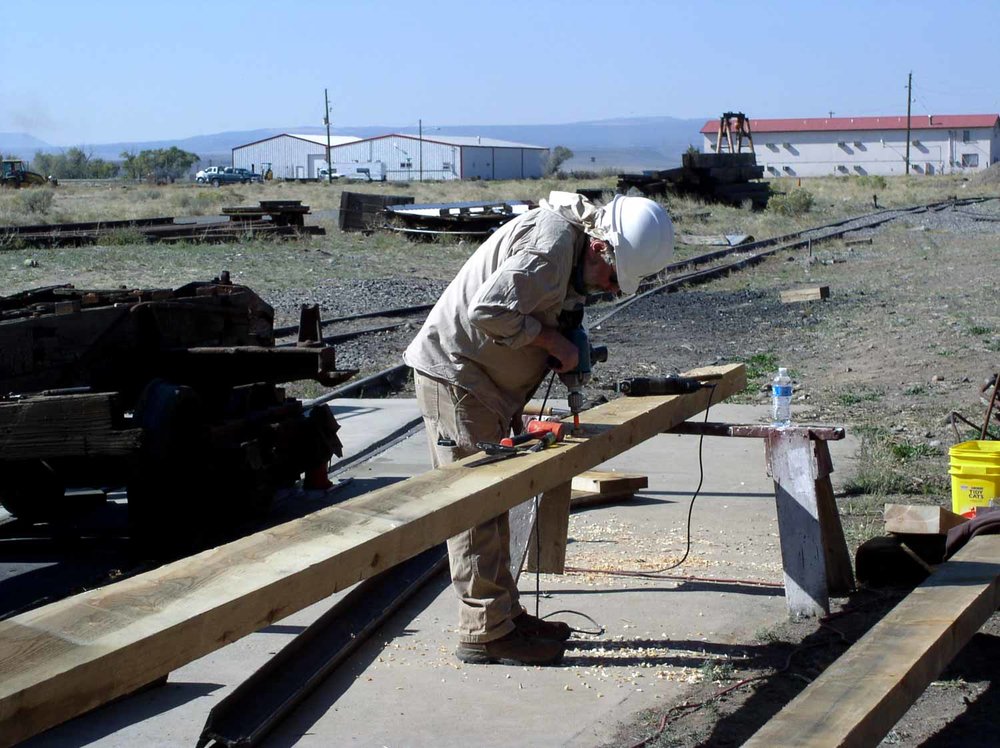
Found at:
[91, 552]
[690, 271]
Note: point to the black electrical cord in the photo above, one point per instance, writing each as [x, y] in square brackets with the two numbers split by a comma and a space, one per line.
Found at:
[687, 548]
[701, 479]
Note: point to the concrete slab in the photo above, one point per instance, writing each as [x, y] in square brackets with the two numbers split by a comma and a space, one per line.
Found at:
[404, 687]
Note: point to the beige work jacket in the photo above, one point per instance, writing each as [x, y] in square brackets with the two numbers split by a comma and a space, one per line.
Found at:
[478, 334]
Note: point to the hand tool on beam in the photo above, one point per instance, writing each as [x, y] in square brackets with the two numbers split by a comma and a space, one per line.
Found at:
[496, 452]
[535, 430]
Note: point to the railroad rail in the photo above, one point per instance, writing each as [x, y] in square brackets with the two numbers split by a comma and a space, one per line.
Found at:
[277, 218]
[672, 278]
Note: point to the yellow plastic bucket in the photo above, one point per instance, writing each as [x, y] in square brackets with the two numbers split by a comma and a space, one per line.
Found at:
[975, 475]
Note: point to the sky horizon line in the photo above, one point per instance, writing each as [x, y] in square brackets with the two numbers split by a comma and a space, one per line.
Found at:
[117, 71]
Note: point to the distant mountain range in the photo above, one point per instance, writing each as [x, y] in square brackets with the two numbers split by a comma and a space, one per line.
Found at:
[625, 143]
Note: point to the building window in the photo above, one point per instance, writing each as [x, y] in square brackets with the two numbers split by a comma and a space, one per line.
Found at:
[966, 136]
[970, 160]
[408, 164]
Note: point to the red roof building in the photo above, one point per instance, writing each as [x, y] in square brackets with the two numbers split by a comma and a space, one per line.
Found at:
[824, 146]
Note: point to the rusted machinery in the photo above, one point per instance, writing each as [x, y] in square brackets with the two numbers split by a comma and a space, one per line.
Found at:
[173, 394]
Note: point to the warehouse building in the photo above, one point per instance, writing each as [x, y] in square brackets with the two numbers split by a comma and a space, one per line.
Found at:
[288, 156]
[395, 157]
[939, 144]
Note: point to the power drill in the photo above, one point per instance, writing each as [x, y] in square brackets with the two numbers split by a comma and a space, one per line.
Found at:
[575, 379]
[643, 386]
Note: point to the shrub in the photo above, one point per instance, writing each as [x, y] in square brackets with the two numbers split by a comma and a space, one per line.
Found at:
[871, 181]
[35, 201]
[793, 203]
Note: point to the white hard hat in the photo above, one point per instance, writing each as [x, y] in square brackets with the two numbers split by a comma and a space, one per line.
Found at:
[642, 236]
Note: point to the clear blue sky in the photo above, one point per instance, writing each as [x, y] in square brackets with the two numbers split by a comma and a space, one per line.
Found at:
[77, 73]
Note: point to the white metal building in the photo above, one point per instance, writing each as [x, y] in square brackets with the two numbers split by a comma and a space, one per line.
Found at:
[396, 157]
[939, 144]
[288, 156]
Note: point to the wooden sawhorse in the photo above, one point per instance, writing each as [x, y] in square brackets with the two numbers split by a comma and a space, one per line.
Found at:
[814, 555]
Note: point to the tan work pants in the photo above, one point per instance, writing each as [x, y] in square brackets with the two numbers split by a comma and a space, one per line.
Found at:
[479, 557]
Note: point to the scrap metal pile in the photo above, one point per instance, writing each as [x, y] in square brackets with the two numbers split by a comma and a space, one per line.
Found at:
[171, 393]
[368, 212]
[714, 177]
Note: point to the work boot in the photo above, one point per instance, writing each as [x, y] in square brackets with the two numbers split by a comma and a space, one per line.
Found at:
[513, 649]
[529, 625]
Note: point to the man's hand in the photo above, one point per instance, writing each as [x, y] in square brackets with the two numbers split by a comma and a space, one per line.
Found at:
[559, 347]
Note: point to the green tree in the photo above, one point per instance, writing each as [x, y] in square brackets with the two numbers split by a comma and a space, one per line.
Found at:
[558, 156]
[160, 163]
[75, 163]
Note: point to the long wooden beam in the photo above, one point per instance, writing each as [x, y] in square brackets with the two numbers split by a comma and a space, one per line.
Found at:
[68, 657]
[857, 700]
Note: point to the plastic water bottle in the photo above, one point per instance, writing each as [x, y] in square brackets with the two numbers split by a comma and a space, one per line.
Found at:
[781, 399]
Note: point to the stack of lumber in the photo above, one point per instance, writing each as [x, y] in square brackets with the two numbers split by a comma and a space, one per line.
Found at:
[715, 177]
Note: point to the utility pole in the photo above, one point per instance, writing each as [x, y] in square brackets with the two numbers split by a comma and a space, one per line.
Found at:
[420, 147]
[909, 100]
[326, 121]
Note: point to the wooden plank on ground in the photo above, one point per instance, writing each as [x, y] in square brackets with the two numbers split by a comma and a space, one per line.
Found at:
[583, 499]
[858, 699]
[606, 481]
[914, 519]
[795, 295]
[73, 655]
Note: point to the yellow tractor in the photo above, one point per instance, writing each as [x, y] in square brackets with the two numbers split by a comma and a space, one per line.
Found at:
[14, 173]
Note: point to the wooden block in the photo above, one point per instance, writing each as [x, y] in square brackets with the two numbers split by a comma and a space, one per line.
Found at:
[580, 499]
[67, 307]
[857, 700]
[920, 520]
[599, 481]
[82, 425]
[816, 293]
